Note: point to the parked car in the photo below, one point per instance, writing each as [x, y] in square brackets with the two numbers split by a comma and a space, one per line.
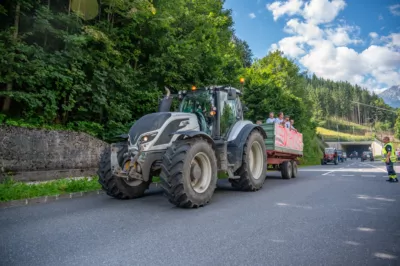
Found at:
[354, 155]
[367, 155]
[344, 155]
[330, 156]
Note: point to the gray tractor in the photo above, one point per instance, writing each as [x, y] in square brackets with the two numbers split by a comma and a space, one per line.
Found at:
[187, 149]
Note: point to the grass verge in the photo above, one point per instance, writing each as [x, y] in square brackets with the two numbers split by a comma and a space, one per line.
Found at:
[331, 134]
[11, 190]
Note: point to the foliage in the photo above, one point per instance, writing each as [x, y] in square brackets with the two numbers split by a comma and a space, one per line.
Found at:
[397, 126]
[340, 100]
[98, 67]
[275, 84]
[11, 190]
[332, 135]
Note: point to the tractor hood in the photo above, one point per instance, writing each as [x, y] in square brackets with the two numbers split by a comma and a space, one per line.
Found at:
[147, 123]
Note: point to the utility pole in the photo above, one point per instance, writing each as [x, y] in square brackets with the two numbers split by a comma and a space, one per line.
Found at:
[337, 130]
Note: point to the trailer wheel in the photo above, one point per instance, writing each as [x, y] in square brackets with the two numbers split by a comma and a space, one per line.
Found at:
[294, 169]
[286, 170]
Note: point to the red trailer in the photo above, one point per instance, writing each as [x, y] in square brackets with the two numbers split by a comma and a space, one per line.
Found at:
[284, 149]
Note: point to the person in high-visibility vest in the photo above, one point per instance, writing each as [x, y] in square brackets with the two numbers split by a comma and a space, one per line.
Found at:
[389, 157]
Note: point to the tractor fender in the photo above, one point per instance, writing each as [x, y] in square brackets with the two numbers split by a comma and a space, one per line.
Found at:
[235, 146]
[194, 134]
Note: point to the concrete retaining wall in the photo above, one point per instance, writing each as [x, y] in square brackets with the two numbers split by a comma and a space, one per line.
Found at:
[37, 155]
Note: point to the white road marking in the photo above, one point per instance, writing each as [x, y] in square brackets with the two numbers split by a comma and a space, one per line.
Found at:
[365, 229]
[368, 175]
[353, 243]
[384, 256]
[329, 172]
[375, 167]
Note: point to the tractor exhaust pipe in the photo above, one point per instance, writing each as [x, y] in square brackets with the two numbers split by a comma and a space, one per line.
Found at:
[166, 102]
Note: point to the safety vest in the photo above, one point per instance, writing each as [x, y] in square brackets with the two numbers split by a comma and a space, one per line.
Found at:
[393, 157]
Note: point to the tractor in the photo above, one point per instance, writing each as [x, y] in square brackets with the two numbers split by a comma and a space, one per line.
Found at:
[187, 149]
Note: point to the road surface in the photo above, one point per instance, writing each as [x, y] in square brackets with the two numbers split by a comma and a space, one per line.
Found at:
[330, 215]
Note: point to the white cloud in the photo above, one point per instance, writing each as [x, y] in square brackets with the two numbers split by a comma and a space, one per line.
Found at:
[395, 9]
[373, 35]
[395, 39]
[308, 31]
[323, 11]
[322, 49]
[290, 7]
[252, 15]
[380, 17]
[291, 46]
[340, 36]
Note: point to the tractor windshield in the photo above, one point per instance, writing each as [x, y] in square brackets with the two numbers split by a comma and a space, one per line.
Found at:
[201, 104]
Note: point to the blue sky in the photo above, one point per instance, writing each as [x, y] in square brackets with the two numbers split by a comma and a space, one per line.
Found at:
[354, 40]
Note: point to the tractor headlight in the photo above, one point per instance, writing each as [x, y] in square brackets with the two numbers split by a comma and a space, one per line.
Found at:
[148, 137]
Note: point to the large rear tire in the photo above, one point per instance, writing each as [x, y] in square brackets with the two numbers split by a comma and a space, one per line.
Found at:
[114, 186]
[253, 170]
[189, 173]
[286, 170]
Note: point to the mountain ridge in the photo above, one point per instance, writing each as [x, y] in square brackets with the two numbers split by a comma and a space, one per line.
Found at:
[391, 96]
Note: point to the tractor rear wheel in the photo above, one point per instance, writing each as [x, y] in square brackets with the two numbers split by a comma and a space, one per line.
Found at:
[118, 187]
[189, 173]
[254, 164]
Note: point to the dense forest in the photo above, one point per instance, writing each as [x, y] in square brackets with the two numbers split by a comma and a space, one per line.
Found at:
[98, 65]
[348, 102]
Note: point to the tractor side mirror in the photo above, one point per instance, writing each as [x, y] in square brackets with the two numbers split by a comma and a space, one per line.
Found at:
[231, 94]
[245, 108]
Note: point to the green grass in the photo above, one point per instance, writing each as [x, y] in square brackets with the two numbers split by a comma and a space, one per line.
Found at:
[344, 126]
[11, 190]
[332, 134]
[342, 122]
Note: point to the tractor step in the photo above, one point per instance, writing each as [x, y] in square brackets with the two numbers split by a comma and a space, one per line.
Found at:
[235, 177]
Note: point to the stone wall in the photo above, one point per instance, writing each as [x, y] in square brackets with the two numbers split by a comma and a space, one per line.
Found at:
[36, 154]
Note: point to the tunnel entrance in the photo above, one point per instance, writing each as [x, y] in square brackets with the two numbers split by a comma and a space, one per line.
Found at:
[360, 148]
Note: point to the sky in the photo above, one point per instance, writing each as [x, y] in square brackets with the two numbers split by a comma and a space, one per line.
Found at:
[353, 40]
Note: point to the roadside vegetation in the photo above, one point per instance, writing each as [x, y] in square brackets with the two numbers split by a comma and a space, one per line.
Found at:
[333, 135]
[11, 190]
[99, 67]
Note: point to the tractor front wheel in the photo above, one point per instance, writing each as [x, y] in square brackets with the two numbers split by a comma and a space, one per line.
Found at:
[189, 173]
[119, 187]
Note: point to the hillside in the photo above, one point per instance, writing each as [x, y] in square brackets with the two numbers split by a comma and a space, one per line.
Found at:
[391, 96]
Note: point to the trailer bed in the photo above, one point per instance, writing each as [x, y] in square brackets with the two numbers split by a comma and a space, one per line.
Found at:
[281, 140]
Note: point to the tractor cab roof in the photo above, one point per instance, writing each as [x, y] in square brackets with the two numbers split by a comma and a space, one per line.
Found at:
[211, 88]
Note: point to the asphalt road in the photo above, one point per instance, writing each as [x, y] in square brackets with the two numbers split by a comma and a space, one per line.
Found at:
[330, 215]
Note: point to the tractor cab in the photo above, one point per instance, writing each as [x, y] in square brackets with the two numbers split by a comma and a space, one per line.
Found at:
[217, 108]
